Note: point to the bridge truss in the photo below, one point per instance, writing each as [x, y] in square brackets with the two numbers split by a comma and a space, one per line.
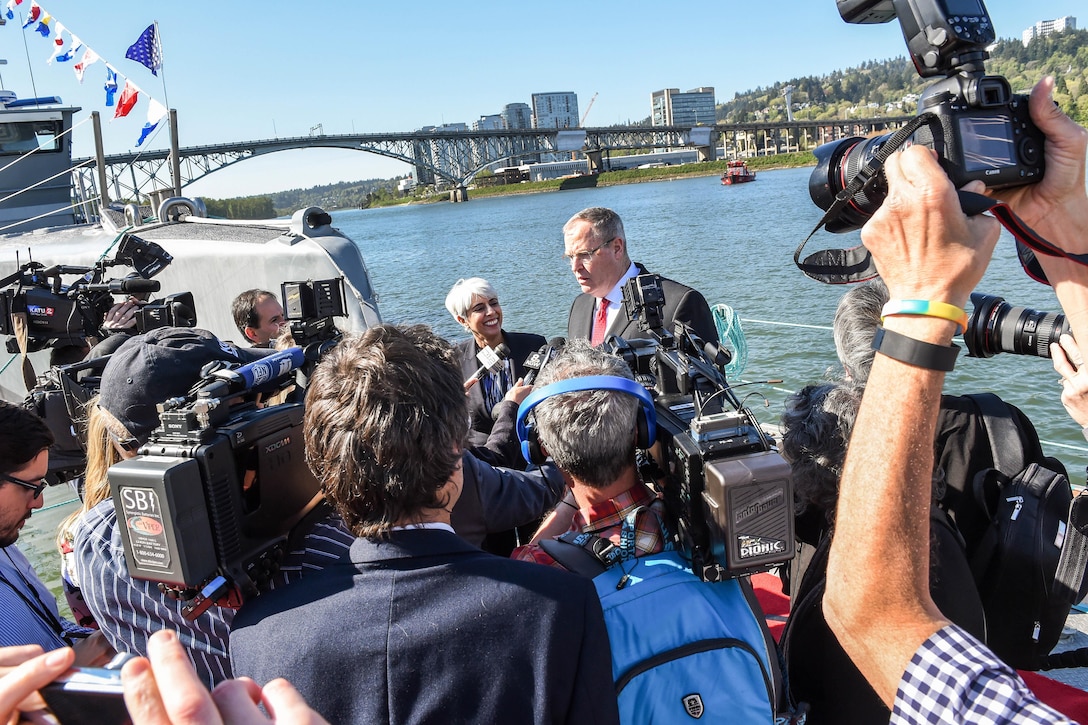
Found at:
[453, 158]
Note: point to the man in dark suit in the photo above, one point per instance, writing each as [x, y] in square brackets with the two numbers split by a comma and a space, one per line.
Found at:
[596, 248]
[419, 626]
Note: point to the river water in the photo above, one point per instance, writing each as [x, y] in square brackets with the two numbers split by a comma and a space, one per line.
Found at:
[734, 244]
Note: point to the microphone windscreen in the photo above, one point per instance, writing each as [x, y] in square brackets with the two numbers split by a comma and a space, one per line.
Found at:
[557, 342]
[140, 286]
[502, 350]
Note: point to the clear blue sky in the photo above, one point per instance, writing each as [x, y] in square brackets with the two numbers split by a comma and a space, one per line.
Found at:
[242, 70]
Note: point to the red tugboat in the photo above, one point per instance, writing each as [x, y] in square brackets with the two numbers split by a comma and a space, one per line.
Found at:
[738, 173]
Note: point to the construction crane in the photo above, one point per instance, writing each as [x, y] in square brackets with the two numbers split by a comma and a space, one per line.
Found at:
[582, 123]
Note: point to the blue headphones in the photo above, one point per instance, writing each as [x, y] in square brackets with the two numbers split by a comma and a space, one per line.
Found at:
[646, 422]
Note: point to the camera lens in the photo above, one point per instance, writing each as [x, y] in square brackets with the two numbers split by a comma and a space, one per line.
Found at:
[996, 326]
[837, 163]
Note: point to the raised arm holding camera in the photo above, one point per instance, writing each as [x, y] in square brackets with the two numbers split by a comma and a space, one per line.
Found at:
[877, 601]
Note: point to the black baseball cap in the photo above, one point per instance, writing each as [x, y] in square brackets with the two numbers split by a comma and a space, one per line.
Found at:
[158, 365]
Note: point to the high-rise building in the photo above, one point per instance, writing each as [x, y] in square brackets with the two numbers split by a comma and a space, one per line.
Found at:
[670, 107]
[1044, 28]
[517, 115]
[555, 110]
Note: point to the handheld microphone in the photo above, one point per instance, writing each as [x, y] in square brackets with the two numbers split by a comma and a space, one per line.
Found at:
[490, 360]
[254, 374]
[537, 360]
[134, 286]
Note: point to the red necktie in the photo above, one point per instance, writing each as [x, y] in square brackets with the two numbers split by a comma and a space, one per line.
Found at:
[600, 323]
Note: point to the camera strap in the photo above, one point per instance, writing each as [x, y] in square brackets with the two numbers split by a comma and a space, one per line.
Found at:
[844, 266]
[1028, 242]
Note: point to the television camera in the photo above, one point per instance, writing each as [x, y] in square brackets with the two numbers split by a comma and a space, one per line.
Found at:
[209, 502]
[978, 127]
[53, 314]
[310, 308]
[725, 486]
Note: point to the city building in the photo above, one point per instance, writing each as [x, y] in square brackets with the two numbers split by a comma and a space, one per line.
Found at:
[555, 110]
[444, 128]
[517, 115]
[1044, 28]
[494, 122]
[670, 107]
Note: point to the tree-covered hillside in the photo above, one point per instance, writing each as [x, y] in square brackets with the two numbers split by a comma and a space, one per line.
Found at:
[891, 87]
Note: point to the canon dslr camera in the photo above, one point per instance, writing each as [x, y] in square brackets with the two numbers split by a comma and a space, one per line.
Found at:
[980, 129]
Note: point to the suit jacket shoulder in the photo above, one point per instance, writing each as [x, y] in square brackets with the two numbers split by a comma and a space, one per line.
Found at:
[580, 319]
[425, 628]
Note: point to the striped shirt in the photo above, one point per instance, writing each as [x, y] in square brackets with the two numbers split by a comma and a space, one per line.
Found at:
[30, 614]
[954, 678]
[129, 610]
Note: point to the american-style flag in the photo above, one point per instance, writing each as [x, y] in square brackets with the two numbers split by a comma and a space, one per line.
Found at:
[146, 50]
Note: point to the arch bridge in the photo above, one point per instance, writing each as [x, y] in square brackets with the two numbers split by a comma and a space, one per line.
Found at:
[453, 158]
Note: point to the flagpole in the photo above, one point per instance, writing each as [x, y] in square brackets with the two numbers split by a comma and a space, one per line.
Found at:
[162, 64]
[175, 162]
[29, 65]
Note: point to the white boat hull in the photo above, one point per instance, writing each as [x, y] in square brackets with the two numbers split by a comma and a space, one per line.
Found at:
[213, 259]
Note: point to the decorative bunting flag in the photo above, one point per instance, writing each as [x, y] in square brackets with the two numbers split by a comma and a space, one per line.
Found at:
[32, 16]
[129, 95]
[58, 42]
[73, 48]
[89, 58]
[111, 84]
[146, 50]
[156, 112]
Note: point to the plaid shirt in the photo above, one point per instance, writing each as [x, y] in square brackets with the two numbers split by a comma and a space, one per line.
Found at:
[954, 678]
[606, 519]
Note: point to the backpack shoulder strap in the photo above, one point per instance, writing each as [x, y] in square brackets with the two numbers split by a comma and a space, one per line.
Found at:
[581, 559]
[589, 555]
[1004, 435]
[1069, 579]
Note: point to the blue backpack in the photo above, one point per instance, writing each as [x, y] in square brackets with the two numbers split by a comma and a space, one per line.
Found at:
[682, 648]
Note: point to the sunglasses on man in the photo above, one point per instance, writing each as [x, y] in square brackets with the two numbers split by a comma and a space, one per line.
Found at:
[37, 488]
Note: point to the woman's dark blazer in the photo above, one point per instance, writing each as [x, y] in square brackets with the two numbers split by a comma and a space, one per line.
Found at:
[521, 344]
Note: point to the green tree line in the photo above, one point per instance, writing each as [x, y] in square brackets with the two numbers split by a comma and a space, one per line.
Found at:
[245, 207]
[890, 87]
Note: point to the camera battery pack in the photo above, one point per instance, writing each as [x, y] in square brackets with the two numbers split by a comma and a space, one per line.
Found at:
[159, 502]
[749, 509]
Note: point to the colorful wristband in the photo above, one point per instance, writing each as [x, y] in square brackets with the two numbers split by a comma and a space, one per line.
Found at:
[915, 352]
[925, 308]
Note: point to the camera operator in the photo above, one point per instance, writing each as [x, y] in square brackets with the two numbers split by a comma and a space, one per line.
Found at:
[590, 436]
[259, 316]
[148, 369]
[595, 246]
[30, 614]
[421, 627]
[877, 601]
